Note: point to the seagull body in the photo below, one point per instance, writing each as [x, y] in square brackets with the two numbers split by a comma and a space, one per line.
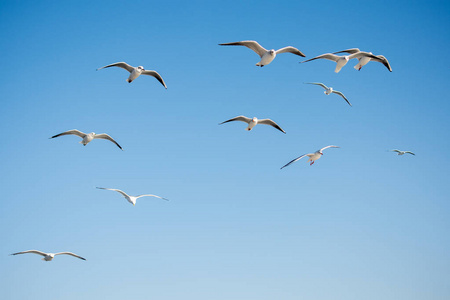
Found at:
[341, 61]
[329, 90]
[252, 122]
[362, 61]
[132, 199]
[266, 55]
[312, 156]
[135, 72]
[402, 152]
[48, 256]
[88, 137]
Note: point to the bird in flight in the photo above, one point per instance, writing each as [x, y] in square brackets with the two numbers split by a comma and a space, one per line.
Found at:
[252, 122]
[132, 199]
[88, 137]
[329, 90]
[48, 256]
[341, 60]
[266, 55]
[135, 72]
[362, 61]
[312, 156]
[402, 152]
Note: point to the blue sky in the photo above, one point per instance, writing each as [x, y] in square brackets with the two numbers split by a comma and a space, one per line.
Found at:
[361, 223]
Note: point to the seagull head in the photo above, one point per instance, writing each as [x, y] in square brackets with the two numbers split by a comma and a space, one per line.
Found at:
[272, 52]
[255, 119]
[141, 68]
[93, 133]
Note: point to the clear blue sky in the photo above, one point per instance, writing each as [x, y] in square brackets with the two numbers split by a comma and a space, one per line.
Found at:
[361, 223]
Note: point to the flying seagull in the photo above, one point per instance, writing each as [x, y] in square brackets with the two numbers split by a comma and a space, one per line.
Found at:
[312, 156]
[365, 59]
[329, 90]
[135, 72]
[132, 199]
[48, 256]
[341, 60]
[252, 122]
[402, 152]
[266, 55]
[87, 137]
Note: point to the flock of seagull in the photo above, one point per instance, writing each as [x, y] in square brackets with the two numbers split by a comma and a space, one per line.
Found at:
[267, 56]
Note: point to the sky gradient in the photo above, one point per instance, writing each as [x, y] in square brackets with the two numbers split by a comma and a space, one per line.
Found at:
[361, 223]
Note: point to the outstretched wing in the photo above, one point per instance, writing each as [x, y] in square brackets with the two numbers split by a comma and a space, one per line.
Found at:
[260, 50]
[293, 161]
[70, 253]
[122, 65]
[115, 190]
[329, 56]
[342, 95]
[271, 123]
[409, 152]
[331, 146]
[395, 150]
[318, 83]
[384, 61]
[156, 75]
[350, 51]
[104, 136]
[150, 195]
[290, 49]
[238, 118]
[31, 251]
[73, 131]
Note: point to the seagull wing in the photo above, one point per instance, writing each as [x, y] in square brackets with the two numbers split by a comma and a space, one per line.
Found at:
[115, 190]
[331, 146]
[271, 123]
[350, 51]
[260, 50]
[342, 95]
[238, 118]
[122, 65]
[329, 56]
[150, 195]
[104, 136]
[317, 83]
[293, 161]
[290, 49]
[409, 152]
[395, 150]
[358, 55]
[73, 131]
[156, 75]
[70, 253]
[383, 60]
[31, 251]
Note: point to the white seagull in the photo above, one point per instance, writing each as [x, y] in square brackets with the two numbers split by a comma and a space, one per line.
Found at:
[135, 72]
[132, 199]
[48, 256]
[312, 156]
[402, 152]
[341, 60]
[266, 55]
[87, 137]
[365, 59]
[329, 90]
[252, 122]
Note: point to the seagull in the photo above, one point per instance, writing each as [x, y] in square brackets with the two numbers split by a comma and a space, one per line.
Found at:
[342, 60]
[48, 256]
[329, 90]
[87, 137]
[364, 60]
[135, 72]
[266, 55]
[402, 152]
[312, 156]
[252, 122]
[132, 199]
